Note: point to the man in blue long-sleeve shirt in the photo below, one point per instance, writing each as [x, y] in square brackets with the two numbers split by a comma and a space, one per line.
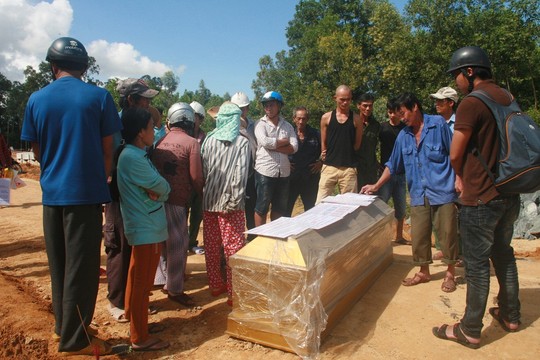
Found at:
[422, 150]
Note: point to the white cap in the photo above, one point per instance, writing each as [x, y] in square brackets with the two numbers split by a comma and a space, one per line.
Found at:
[240, 99]
[445, 93]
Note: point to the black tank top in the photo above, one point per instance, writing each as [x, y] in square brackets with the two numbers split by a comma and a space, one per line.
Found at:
[340, 142]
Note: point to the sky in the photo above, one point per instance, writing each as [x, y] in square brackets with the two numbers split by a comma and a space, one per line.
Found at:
[218, 41]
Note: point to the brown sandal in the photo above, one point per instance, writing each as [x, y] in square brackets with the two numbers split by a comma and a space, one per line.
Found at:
[418, 278]
[448, 285]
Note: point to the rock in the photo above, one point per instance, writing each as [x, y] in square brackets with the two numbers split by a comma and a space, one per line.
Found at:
[527, 226]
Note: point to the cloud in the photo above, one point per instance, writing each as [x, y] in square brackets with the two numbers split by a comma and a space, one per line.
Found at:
[28, 28]
[26, 31]
[122, 60]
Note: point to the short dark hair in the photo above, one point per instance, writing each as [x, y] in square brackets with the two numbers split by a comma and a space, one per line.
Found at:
[482, 73]
[185, 125]
[124, 103]
[70, 65]
[365, 97]
[409, 100]
[133, 121]
[392, 104]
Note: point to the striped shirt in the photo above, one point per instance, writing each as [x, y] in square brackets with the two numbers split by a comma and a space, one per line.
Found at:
[225, 170]
[270, 162]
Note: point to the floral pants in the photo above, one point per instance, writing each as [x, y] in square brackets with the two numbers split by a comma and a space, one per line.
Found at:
[227, 230]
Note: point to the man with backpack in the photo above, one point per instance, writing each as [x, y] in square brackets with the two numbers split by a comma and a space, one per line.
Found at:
[487, 217]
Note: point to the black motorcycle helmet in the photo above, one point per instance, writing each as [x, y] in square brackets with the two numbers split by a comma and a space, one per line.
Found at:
[469, 56]
[68, 53]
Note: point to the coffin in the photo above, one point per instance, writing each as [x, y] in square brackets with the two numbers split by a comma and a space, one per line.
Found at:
[290, 293]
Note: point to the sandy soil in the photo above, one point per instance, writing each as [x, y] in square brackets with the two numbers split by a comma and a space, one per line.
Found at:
[389, 322]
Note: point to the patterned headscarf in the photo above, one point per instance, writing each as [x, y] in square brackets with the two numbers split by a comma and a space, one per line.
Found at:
[227, 123]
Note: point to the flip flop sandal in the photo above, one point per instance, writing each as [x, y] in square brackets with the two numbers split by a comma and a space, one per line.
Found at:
[153, 310]
[118, 314]
[418, 278]
[154, 345]
[494, 312]
[459, 337]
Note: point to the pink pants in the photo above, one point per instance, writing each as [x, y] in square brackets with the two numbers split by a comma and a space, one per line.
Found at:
[227, 230]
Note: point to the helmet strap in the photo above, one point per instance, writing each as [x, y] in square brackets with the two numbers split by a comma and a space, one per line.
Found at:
[52, 71]
[469, 78]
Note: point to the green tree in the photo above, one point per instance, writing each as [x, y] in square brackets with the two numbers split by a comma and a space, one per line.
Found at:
[169, 82]
[331, 43]
[508, 30]
[203, 94]
[369, 46]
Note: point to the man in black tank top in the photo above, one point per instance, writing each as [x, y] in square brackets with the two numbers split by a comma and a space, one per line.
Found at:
[341, 135]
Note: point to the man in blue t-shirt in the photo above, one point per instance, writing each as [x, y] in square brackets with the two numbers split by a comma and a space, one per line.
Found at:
[70, 125]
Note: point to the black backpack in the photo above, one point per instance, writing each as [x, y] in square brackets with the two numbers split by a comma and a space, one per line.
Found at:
[518, 166]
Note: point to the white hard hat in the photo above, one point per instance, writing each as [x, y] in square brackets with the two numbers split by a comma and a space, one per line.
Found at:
[197, 108]
[180, 112]
[240, 99]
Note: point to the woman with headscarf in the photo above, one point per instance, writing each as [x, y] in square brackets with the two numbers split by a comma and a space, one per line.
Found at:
[225, 157]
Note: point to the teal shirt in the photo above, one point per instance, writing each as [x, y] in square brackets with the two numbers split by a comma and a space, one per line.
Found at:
[144, 218]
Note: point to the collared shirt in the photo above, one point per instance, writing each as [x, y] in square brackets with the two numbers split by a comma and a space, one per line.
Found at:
[451, 122]
[270, 162]
[144, 218]
[427, 166]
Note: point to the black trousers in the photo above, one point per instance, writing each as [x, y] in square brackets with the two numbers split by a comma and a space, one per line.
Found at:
[73, 241]
[118, 254]
[305, 185]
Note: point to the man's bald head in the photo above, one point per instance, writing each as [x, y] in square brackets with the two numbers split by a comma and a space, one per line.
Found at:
[343, 90]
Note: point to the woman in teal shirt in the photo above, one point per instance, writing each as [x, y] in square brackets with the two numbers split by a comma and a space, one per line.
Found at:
[142, 193]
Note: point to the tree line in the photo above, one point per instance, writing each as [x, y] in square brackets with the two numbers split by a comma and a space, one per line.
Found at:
[371, 47]
[365, 44]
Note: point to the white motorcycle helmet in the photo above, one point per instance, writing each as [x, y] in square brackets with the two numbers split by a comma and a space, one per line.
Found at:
[240, 99]
[180, 112]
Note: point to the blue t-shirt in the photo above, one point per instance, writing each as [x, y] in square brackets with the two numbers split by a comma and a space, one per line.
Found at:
[68, 119]
[427, 166]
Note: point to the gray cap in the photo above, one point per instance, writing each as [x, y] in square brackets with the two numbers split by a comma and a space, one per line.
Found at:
[132, 86]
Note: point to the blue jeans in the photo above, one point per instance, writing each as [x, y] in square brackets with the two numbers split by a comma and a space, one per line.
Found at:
[486, 233]
[396, 189]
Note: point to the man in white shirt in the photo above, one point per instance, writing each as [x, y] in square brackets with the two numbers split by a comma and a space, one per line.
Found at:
[276, 140]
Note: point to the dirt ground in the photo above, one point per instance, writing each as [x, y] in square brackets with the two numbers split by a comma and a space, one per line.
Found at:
[389, 322]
